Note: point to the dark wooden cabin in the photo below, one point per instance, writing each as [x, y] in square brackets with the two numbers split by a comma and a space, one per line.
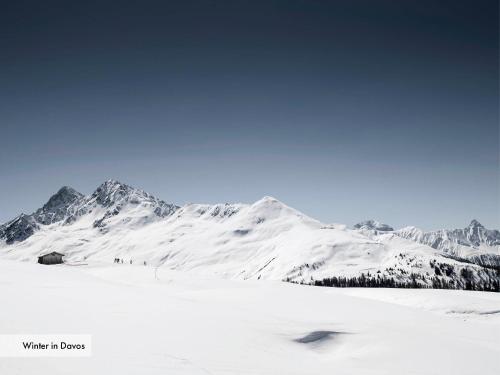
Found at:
[51, 258]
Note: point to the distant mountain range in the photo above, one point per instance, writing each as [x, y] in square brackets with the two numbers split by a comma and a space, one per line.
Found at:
[266, 239]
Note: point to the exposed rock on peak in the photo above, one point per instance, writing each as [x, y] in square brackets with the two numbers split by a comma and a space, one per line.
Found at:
[18, 229]
[117, 194]
[373, 225]
[475, 224]
[56, 208]
[68, 205]
[112, 191]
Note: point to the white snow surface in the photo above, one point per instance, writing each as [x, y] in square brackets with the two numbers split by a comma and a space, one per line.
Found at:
[266, 239]
[145, 320]
[263, 240]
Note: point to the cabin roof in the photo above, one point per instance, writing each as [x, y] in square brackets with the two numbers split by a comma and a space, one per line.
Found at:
[51, 253]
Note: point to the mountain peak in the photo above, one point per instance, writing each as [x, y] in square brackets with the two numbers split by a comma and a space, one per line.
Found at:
[112, 183]
[64, 195]
[57, 206]
[475, 224]
[373, 225]
[268, 201]
[67, 190]
[111, 191]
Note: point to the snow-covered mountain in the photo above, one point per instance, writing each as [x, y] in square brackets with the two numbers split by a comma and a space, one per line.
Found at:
[56, 209]
[460, 242]
[68, 205]
[474, 243]
[266, 239]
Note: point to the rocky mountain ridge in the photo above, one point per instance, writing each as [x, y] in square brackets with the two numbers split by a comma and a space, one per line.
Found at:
[67, 205]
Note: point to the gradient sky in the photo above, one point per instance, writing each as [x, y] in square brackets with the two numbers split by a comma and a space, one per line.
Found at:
[345, 110]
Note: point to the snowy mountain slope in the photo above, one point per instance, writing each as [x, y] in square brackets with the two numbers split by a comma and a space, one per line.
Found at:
[267, 239]
[263, 240]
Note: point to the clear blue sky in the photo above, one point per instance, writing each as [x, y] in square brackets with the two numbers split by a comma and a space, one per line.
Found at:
[345, 110]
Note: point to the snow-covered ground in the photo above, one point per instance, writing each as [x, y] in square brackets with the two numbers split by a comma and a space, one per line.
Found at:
[148, 321]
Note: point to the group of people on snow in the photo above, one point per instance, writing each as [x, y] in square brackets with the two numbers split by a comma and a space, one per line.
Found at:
[120, 261]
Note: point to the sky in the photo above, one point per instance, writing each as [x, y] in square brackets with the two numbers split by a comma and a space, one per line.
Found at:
[345, 110]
